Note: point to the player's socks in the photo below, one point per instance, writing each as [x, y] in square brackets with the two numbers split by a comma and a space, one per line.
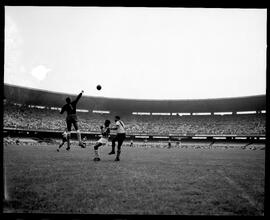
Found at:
[68, 141]
[81, 144]
[59, 147]
[118, 155]
[79, 136]
[113, 150]
[96, 153]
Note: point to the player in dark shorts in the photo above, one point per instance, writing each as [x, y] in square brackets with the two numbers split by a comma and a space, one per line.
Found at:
[105, 132]
[120, 137]
[64, 140]
[72, 119]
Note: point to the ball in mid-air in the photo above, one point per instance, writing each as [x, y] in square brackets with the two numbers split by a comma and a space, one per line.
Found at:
[98, 87]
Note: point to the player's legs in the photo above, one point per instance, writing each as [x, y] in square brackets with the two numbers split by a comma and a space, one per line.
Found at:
[113, 144]
[68, 133]
[121, 138]
[62, 143]
[75, 124]
[96, 146]
[68, 140]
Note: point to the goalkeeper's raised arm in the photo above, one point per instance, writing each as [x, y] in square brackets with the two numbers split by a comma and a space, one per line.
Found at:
[78, 97]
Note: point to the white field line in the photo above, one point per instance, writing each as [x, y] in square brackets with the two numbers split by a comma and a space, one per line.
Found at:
[240, 189]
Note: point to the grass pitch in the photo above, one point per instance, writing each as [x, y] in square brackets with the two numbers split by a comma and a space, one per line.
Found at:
[182, 181]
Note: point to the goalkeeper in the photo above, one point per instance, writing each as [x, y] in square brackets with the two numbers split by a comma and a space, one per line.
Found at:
[72, 119]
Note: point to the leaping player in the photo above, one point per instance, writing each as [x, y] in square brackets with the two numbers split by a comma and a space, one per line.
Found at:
[105, 131]
[72, 119]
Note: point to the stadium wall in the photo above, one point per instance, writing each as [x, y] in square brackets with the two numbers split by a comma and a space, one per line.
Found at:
[48, 134]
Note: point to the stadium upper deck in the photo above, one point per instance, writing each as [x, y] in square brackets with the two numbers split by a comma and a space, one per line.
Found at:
[30, 96]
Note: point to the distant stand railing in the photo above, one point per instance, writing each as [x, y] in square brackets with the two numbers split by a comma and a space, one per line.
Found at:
[43, 133]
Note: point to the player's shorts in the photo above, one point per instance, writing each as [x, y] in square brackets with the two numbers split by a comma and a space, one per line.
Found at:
[72, 119]
[103, 141]
[120, 137]
[64, 139]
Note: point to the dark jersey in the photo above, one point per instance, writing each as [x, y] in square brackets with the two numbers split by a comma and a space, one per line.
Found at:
[71, 108]
[105, 132]
[64, 136]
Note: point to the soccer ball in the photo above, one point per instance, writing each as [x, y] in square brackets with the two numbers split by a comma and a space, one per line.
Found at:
[98, 87]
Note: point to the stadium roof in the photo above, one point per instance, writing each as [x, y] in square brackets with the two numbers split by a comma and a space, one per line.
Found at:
[32, 96]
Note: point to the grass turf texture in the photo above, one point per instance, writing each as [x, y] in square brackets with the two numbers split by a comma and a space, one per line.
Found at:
[146, 181]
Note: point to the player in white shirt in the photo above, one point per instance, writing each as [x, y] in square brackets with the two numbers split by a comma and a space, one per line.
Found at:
[105, 131]
[64, 139]
[120, 137]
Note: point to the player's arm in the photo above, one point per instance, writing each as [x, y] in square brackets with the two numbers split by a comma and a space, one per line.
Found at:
[63, 109]
[78, 97]
[116, 126]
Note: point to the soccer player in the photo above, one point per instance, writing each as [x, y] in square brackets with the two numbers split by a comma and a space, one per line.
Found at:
[64, 139]
[105, 132]
[120, 137]
[71, 119]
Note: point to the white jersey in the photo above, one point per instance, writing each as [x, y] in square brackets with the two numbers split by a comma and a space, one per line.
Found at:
[64, 134]
[103, 140]
[105, 136]
[120, 127]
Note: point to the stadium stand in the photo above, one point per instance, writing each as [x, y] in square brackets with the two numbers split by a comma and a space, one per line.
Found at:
[46, 119]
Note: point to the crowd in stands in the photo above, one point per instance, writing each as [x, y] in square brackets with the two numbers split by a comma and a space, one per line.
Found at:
[35, 118]
[203, 124]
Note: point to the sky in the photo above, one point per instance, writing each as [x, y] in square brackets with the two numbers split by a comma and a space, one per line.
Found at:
[137, 53]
